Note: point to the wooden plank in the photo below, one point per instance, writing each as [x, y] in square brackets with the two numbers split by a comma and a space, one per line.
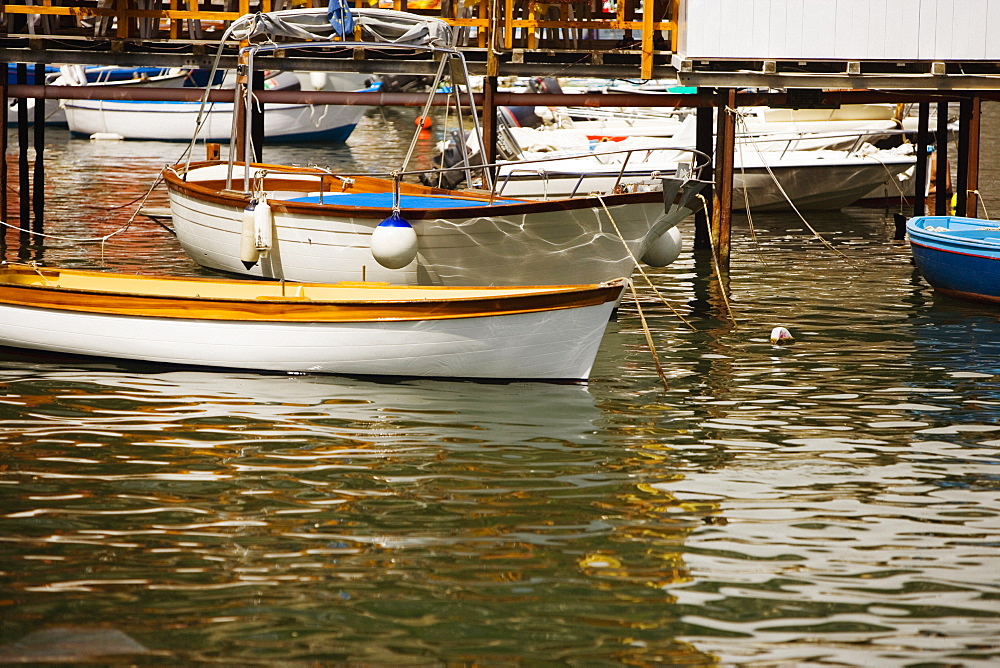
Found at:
[991, 23]
[877, 30]
[739, 40]
[764, 22]
[904, 39]
[968, 30]
[927, 37]
[791, 37]
[945, 41]
[820, 37]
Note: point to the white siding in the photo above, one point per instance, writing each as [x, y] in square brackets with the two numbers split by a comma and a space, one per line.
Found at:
[897, 30]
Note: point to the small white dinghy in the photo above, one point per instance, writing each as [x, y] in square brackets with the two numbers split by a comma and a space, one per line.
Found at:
[514, 333]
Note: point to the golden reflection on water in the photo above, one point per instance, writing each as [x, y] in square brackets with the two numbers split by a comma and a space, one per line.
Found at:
[831, 501]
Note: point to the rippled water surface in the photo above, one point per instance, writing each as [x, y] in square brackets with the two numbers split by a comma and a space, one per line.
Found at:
[832, 502]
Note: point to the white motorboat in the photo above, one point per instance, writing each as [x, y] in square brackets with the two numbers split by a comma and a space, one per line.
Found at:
[176, 121]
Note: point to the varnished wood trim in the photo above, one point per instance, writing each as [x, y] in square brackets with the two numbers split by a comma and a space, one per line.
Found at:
[210, 191]
[439, 306]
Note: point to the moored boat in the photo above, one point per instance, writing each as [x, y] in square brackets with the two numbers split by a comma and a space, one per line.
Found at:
[313, 224]
[959, 257]
[322, 226]
[78, 75]
[523, 333]
[176, 121]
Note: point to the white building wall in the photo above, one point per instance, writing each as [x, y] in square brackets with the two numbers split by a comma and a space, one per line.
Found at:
[900, 30]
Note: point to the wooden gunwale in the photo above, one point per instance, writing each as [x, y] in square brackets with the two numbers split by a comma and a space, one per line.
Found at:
[33, 291]
[211, 191]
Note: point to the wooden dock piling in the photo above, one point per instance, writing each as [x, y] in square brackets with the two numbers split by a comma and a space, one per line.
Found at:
[725, 147]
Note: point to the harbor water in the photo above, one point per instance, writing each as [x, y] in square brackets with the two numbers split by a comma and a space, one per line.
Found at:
[835, 501]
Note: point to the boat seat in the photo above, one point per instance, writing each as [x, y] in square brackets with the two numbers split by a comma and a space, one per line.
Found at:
[384, 201]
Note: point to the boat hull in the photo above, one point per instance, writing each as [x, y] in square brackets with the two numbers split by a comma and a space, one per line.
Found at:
[525, 243]
[537, 335]
[812, 183]
[959, 257]
[176, 121]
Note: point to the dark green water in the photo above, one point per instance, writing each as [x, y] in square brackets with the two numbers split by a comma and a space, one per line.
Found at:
[832, 502]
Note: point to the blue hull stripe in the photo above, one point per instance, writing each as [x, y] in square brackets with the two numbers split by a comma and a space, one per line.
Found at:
[960, 274]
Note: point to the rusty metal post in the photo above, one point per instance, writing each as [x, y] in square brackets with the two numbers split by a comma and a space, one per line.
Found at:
[920, 173]
[941, 176]
[722, 206]
[704, 137]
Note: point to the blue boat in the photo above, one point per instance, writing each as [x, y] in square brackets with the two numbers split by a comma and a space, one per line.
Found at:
[959, 257]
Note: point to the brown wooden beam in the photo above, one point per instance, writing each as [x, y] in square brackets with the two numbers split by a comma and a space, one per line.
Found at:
[725, 146]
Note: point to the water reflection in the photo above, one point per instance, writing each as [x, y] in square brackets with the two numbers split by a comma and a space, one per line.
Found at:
[833, 501]
[250, 510]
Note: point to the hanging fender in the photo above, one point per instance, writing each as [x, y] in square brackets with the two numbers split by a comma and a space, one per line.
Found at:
[263, 226]
[248, 245]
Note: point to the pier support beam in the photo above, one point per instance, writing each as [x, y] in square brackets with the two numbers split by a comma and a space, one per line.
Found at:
[967, 186]
[256, 112]
[941, 175]
[722, 201]
[38, 178]
[24, 185]
[3, 163]
[704, 138]
[920, 171]
[489, 117]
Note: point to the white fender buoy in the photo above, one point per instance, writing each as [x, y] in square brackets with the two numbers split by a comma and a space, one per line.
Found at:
[664, 249]
[248, 246]
[781, 336]
[394, 242]
[317, 80]
[262, 226]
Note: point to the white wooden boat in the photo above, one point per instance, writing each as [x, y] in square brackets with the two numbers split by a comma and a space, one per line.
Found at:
[525, 333]
[324, 226]
[176, 121]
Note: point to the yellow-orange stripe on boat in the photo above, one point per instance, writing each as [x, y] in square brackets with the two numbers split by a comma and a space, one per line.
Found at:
[270, 301]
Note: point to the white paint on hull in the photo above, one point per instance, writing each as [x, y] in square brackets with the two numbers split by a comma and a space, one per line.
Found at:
[559, 344]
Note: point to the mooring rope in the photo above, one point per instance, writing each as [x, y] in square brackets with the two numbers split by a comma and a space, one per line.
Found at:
[715, 262]
[979, 198]
[781, 189]
[638, 307]
[649, 338]
[746, 205]
[102, 239]
[638, 265]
